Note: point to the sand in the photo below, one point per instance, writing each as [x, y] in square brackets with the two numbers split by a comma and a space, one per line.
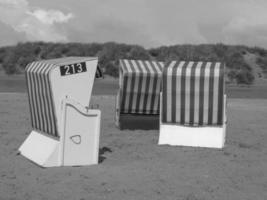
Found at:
[134, 167]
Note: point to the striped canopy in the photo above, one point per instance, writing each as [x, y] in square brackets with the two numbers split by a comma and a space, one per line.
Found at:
[140, 83]
[42, 105]
[193, 93]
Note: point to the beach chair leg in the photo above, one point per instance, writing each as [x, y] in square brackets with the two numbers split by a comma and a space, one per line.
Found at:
[117, 110]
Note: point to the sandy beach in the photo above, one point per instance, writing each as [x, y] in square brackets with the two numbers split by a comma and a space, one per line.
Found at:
[134, 167]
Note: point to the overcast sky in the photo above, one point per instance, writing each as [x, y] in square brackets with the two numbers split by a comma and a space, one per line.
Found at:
[149, 23]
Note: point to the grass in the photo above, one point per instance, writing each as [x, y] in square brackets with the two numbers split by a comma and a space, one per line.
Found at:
[17, 83]
[109, 86]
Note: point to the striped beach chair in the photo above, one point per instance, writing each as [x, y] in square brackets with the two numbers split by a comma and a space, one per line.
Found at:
[137, 102]
[193, 104]
[65, 131]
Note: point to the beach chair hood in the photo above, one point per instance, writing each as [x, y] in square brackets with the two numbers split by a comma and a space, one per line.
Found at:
[140, 85]
[193, 93]
[43, 92]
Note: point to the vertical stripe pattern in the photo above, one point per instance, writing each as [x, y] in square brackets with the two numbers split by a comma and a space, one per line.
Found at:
[40, 97]
[140, 85]
[192, 93]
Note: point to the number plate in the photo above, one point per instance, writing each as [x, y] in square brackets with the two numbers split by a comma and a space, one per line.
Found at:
[72, 69]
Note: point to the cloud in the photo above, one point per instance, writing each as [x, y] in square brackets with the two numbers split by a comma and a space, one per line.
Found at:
[145, 22]
[249, 26]
[51, 16]
[142, 22]
[15, 3]
[106, 30]
[8, 36]
[37, 24]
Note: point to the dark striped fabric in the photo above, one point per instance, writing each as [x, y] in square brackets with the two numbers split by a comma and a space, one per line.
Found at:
[140, 85]
[40, 97]
[193, 93]
[42, 111]
[98, 73]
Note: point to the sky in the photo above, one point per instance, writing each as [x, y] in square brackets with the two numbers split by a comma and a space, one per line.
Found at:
[150, 23]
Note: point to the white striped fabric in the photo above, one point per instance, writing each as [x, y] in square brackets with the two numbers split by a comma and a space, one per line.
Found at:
[193, 93]
[41, 101]
[140, 85]
[40, 97]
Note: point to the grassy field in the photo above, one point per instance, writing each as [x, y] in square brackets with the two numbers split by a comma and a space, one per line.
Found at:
[17, 83]
[109, 86]
[133, 165]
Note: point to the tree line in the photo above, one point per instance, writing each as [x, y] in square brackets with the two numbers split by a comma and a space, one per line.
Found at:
[15, 58]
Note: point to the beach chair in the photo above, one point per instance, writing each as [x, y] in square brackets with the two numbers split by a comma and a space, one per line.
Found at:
[193, 104]
[137, 101]
[65, 131]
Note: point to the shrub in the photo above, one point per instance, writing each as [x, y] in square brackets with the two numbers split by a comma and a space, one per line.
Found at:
[111, 69]
[14, 59]
[262, 62]
[138, 52]
[231, 75]
[244, 77]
